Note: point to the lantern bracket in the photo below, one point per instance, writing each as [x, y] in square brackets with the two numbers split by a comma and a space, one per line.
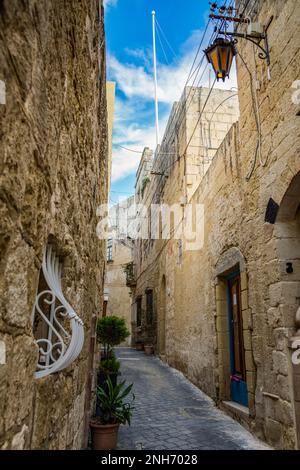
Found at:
[265, 52]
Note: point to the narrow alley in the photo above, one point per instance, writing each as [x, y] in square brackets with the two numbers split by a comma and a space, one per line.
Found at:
[150, 230]
[171, 413]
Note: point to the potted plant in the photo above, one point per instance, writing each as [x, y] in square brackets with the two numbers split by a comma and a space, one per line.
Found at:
[149, 349]
[111, 331]
[109, 367]
[114, 410]
[139, 345]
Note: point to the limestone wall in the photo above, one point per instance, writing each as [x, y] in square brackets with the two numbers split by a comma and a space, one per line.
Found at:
[180, 164]
[53, 149]
[235, 193]
[119, 299]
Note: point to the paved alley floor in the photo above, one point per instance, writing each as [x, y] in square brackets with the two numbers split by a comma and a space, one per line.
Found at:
[171, 413]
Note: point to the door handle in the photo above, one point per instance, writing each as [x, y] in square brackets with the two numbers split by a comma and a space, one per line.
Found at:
[234, 378]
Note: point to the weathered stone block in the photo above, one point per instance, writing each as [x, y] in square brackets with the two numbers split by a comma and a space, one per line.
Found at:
[21, 365]
[223, 341]
[284, 389]
[251, 382]
[284, 293]
[249, 361]
[281, 338]
[220, 292]
[19, 439]
[16, 292]
[247, 340]
[275, 317]
[244, 300]
[222, 324]
[288, 314]
[247, 319]
[273, 431]
[297, 387]
[284, 413]
[244, 281]
[280, 362]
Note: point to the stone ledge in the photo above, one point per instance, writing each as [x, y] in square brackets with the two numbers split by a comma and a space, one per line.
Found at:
[237, 411]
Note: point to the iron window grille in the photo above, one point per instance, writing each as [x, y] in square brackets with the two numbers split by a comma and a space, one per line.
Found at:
[58, 330]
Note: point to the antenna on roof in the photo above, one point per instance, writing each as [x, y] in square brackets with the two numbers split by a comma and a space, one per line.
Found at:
[155, 79]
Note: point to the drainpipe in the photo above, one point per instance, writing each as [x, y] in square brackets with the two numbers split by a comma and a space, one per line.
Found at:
[89, 382]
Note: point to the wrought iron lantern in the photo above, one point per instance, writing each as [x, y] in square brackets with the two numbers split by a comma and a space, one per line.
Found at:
[220, 55]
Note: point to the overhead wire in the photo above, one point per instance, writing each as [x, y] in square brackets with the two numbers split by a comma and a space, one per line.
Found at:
[178, 118]
[199, 118]
[166, 39]
[191, 73]
[184, 109]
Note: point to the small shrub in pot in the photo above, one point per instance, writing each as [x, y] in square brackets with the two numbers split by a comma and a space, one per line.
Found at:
[114, 410]
[111, 331]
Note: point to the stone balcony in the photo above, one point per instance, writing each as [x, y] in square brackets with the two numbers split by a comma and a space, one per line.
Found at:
[129, 269]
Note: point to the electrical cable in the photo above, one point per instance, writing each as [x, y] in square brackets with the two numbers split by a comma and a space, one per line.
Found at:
[183, 108]
[183, 111]
[162, 248]
[183, 155]
[165, 38]
[257, 121]
[162, 47]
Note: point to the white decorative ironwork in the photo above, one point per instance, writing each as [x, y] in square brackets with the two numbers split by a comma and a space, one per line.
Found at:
[65, 333]
[298, 321]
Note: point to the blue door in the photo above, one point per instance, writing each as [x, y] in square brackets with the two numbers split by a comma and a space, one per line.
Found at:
[238, 384]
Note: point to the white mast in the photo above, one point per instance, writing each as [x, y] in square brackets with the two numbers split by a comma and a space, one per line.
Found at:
[155, 79]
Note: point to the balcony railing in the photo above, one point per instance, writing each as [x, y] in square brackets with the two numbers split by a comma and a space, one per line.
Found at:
[129, 269]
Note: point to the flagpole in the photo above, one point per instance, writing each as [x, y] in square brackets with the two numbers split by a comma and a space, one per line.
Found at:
[155, 79]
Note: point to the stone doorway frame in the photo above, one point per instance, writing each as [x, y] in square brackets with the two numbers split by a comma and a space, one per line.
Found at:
[233, 260]
[287, 237]
[162, 317]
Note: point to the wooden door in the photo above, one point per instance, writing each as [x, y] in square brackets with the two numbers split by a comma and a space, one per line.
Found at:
[238, 384]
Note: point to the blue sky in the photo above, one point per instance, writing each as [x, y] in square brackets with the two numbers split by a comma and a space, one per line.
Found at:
[128, 25]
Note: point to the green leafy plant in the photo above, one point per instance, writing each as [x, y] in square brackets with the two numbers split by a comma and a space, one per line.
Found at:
[111, 331]
[109, 366]
[113, 407]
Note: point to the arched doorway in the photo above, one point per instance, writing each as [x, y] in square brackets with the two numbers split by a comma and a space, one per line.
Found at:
[287, 233]
[162, 318]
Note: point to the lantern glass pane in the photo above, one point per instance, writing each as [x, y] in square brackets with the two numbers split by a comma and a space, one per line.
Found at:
[224, 53]
[214, 59]
[230, 59]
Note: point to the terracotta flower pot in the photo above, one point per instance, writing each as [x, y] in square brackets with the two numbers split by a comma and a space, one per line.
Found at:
[148, 349]
[139, 346]
[104, 437]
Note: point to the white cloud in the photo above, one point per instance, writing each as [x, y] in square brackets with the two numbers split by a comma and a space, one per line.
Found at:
[134, 137]
[136, 83]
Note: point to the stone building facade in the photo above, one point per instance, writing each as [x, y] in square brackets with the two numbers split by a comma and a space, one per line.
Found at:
[119, 257]
[240, 292]
[166, 178]
[118, 294]
[53, 147]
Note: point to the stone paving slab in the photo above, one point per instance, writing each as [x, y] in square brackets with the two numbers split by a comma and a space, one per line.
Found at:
[171, 413]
